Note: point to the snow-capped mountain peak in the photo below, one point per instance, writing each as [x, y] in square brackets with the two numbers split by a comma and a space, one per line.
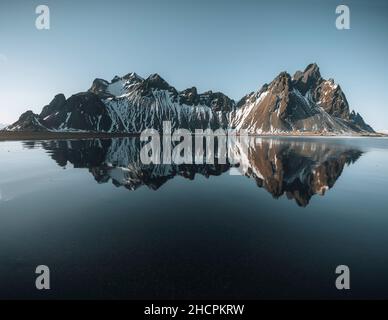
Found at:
[303, 103]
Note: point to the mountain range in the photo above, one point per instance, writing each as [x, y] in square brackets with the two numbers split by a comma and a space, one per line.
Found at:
[302, 103]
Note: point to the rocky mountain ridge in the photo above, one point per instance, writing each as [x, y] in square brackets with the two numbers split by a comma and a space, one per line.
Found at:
[304, 103]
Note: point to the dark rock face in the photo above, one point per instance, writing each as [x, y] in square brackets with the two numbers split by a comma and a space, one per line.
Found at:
[304, 103]
[332, 99]
[217, 101]
[329, 96]
[28, 121]
[82, 111]
[155, 81]
[190, 96]
[55, 105]
[99, 87]
[307, 80]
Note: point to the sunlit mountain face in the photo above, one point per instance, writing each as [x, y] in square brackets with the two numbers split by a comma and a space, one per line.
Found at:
[292, 168]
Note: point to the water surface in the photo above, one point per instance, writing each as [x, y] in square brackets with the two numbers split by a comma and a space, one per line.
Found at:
[275, 225]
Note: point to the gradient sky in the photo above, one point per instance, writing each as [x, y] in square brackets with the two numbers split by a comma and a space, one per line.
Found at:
[229, 46]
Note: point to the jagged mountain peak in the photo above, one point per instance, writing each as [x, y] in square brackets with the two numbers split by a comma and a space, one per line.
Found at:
[312, 68]
[303, 103]
[59, 96]
[28, 121]
[281, 83]
[190, 91]
[190, 96]
[312, 71]
[331, 98]
[27, 114]
[307, 80]
[99, 86]
[133, 76]
[118, 85]
[56, 104]
[155, 81]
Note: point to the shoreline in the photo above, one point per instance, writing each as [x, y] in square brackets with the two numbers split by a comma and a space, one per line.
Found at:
[49, 135]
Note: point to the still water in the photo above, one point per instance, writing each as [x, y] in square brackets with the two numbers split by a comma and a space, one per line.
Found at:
[275, 225]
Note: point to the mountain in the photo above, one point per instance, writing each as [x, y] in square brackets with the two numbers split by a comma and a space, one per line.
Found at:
[292, 168]
[2, 125]
[303, 103]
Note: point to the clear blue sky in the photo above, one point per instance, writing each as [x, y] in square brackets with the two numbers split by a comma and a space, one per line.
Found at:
[228, 46]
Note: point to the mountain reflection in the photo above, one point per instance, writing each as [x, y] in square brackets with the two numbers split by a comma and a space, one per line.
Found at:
[298, 169]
